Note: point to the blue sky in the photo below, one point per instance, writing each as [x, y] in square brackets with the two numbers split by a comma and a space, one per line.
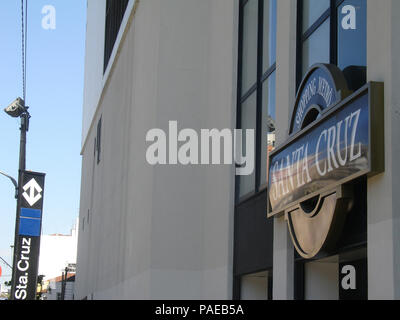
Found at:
[55, 66]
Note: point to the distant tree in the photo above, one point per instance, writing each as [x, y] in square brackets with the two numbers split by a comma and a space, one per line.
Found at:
[39, 285]
[8, 284]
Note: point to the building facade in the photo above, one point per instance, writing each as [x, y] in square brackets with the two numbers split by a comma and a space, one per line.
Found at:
[60, 288]
[58, 251]
[185, 230]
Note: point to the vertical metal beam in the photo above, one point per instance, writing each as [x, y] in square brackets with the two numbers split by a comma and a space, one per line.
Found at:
[22, 163]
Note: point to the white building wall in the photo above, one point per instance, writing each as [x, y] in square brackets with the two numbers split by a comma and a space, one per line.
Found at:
[283, 250]
[322, 280]
[95, 76]
[167, 231]
[56, 291]
[56, 252]
[93, 61]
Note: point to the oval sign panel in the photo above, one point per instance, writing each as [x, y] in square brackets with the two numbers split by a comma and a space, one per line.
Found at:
[335, 138]
[322, 87]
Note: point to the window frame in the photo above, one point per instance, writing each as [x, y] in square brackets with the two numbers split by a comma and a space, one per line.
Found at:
[251, 207]
[301, 36]
[256, 87]
[98, 140]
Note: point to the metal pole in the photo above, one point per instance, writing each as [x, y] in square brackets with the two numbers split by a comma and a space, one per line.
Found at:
[15, 183]
[66, 281]
[5, 262]
[22, 162]
[64, 284]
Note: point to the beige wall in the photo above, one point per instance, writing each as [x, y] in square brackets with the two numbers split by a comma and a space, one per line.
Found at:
[321, 279]
[94, 58]
[383, 190]
[95, 75]
[285, 97]
[162, 232]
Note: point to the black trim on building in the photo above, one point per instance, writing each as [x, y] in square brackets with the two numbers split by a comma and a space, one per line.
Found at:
[98, 140]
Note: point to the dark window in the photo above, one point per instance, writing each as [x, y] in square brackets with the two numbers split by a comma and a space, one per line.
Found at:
[331, 31]
[98, 140]
[115, 10]
[352, 43]
[256, 87]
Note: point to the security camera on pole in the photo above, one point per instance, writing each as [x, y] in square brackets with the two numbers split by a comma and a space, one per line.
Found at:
[17, 109]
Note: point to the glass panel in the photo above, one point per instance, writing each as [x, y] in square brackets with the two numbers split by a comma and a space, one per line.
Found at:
[316, 47]
[249, 67]
[312, 10]
[269, 50]
[249, 121]
[352, 33]
[268, 124]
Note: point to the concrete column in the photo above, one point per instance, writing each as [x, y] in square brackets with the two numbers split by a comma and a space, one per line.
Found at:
[383, 50]
[285, 98]
[321, 279]
[283, 271]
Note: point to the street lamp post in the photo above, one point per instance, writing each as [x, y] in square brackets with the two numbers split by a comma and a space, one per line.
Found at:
[14, 182]
[64, 279]
[17, 109]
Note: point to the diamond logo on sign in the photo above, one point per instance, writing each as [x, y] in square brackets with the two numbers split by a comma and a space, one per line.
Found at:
[32, 192]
